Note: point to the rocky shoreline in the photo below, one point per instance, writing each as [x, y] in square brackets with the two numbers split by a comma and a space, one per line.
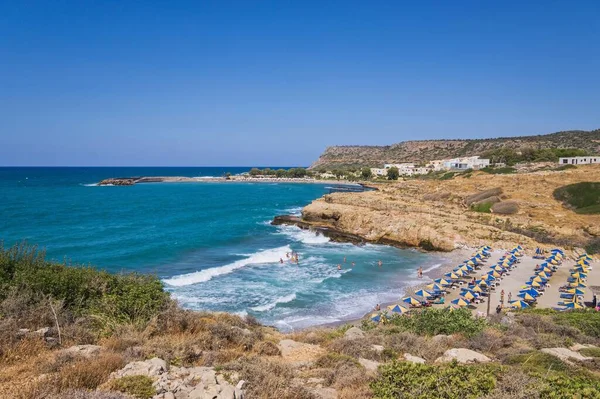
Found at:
[130, 181]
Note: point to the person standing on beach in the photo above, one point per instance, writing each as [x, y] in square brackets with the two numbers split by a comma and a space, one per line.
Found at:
[502, 297]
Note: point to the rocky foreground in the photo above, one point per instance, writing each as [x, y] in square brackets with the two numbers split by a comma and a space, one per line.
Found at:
[442, 215]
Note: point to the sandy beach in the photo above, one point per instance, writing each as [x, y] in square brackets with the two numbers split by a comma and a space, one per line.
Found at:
[511, 283]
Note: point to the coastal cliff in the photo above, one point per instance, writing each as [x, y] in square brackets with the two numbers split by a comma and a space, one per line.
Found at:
[443, 215]
[423, 150]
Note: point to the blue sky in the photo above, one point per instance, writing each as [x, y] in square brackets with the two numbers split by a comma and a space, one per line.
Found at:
[256, 83]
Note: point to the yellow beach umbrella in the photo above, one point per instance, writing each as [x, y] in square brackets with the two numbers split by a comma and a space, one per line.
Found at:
[452, 275]
[477, 288]
[460, 302]
[578, 275]
[538, 279]
[468, 295]
[535, 284]
[495, 274]
[543, 275]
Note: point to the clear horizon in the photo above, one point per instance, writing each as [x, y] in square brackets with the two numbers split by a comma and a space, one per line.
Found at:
[222, 83]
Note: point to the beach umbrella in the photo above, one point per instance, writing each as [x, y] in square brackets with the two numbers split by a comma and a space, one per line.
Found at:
[423, 293]
[460, 302]
[519, 304]
[553, 262]
[466, 268]
[497, 268]
[435, 287]
[543, 275]
[442, 281]
[576, 291]
[585, 258]
[526, 296]
[538, 279]
[397, 309]
[481, 283]
[411, 301]
[376, 317]
[488, 278]
[534, 284]
[583, 262]
[468, 295]
[494, 273]
[547, 270]
[574, 305]
[532, 291]
[477, 289]
[578, 275]
[452, 275]
[578, 284]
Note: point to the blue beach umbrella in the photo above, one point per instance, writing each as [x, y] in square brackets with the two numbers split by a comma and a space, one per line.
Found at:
[423, 293]
[411, 301]
[519, 304]
[376, 317]
[397, 309]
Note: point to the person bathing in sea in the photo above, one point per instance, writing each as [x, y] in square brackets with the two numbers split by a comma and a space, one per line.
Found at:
[380, 263]
[420, 272]
[344, 259]
[377, 308]
[352, 264]
[339, 267]
[281, 260]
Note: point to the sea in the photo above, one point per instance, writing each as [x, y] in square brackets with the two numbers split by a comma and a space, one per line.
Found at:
[211, 243]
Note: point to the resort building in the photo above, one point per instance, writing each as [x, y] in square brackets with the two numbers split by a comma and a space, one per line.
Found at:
[466, 163]
[378, 172]
[579, 160]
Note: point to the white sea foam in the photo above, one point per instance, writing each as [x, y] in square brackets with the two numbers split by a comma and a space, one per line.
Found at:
[433, 267]
[303, 236]
[262, 257]
[271, 305]
[92, 185]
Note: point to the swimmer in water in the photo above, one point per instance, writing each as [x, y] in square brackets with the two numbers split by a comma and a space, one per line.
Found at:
[420, 272]
[339, 267]
[280, 260]
[344, 259]
[352, 264]
[379, 263]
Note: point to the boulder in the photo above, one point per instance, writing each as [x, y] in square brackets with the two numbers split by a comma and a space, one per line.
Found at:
[354, 333]
[441, 338]
[565, 354]
[86, 351]
[324, 393]
[378, 348]
[413, 359]
[151, 368]
[299, 354]
[23, 331]
[578, 347]
[369, 365]
[462, 356]
[42, 332]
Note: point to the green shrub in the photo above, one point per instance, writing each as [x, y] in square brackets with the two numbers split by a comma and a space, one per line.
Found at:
[420, 381]
[582, 197]
[440, 321]
[537, 361]
[139, 386]
[483, 207]
[84, 291]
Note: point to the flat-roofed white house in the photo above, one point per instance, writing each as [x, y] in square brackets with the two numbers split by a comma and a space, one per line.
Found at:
[466, 163]
[579, 160]
[378, 172]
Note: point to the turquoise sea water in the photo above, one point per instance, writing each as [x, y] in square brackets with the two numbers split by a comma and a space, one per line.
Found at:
[211, 243]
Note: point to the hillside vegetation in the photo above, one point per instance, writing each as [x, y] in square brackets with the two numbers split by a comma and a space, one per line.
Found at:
[343, 362]
[582, 197]
[501, 149]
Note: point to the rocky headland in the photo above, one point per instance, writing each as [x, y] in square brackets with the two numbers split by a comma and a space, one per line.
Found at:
[449, 214]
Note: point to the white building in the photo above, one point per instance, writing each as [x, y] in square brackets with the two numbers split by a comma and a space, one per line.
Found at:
[466, 163]
[579, 160]
[378, 172]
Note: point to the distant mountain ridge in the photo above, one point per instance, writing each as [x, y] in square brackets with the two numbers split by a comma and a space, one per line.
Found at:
[425, 150]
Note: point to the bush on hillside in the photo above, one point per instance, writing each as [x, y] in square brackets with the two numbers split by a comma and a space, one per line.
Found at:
[582, 197]
[440, 321]
[499, 171]
[421, 381]
[109, 299]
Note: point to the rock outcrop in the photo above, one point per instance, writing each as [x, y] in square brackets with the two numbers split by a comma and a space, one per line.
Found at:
[565, 354]
[462, 356]
[182, 382]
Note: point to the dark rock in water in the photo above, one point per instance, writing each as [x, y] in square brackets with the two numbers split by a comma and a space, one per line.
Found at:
[118, 181]
[329, 232]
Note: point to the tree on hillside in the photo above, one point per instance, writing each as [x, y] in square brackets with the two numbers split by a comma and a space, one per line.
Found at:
[393, 173]
[366, 173]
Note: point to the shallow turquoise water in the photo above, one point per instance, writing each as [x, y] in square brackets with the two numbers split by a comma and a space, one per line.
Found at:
[211, 243]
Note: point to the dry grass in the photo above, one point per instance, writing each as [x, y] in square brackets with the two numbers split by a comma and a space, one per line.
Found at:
[268, 379]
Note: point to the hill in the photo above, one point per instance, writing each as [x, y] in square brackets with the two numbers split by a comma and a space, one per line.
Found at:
[423, 150]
